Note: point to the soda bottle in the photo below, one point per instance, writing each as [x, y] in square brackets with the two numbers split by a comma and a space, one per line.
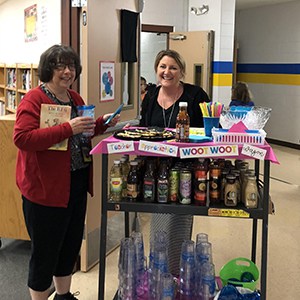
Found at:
[133, 182]
[182, 123]
[116, 182]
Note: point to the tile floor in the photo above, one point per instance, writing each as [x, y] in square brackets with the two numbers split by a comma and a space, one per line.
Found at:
[232, 238]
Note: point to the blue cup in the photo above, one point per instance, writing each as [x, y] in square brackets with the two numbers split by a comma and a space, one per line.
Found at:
[86, 111]
[209, 123]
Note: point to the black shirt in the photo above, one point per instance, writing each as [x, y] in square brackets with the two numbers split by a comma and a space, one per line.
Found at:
[152, 112]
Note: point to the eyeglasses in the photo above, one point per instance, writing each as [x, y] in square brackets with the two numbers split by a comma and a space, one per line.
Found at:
[62, 67]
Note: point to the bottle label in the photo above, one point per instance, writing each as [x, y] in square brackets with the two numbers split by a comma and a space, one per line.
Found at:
[149, 189]
[116, 184]
[162, 191]
[132, 190]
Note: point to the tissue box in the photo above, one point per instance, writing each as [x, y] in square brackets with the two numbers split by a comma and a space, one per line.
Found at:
[254, 137]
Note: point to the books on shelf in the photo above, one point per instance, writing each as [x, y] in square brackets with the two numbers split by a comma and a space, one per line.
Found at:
[53, 115]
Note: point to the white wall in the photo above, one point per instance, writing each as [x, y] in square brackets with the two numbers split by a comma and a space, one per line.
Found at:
[166, 12]
[271, 35]
[13, 47]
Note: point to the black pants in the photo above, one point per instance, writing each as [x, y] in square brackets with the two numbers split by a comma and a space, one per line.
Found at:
[56, 234]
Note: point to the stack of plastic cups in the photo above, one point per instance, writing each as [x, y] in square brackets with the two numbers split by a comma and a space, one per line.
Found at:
[167, 291]
[160, 266]
[200, 238]
[187, 279]
[205, 280]
[138, 242]
[159, 239]
[127, 270]
[208, 286]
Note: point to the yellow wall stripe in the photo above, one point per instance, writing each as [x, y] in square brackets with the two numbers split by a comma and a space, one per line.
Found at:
[281, 79]
[222, 79]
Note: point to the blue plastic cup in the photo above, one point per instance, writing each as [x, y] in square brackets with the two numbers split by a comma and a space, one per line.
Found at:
[209, 124]
[86, 111]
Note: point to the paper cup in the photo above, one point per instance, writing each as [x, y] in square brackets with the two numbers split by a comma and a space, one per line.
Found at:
[209, 123]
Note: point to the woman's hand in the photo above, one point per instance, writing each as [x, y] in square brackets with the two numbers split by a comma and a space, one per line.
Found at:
[114, 121]
[82, 124]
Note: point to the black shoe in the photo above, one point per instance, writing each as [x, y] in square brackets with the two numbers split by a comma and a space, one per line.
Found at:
[67, 296]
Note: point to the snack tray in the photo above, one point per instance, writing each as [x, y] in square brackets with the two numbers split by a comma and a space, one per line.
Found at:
[254, 137]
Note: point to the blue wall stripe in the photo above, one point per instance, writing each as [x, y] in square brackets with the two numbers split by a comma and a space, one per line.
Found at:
[269, 68]
[222, 67]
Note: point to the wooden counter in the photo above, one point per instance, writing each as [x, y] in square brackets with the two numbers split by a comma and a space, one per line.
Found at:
[11, 215]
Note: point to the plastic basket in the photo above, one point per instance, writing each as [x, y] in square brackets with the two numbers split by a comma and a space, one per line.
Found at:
[254, 137]
[232, 272]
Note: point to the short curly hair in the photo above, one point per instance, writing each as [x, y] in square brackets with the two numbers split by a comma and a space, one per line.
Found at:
[54, 55]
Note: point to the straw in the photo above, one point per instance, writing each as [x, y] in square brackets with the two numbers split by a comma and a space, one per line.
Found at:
[210, 109]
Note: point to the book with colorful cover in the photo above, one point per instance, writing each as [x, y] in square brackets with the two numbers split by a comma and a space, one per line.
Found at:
[52, 115]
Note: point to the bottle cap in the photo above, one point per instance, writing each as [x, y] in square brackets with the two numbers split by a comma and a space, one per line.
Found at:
[182, 104]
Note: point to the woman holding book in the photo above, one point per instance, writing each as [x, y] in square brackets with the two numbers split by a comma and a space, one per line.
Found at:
[54, 183]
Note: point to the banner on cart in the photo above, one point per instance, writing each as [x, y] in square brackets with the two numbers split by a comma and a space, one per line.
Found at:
[126, 146]
[209, 151]
[254, 152]
[158, 148]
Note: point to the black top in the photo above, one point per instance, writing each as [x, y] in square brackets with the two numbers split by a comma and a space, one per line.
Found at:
[152, 112]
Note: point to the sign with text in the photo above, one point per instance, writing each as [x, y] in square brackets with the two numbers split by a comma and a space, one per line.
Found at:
[158, 148]
[209, 151]
[126, 146]
[254, 152]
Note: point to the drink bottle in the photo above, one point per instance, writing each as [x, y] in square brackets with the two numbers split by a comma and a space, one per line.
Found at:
[182, 123]
[116, 182]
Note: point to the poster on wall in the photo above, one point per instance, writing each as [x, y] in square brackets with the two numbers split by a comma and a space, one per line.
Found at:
[107, 80]
[30, 22]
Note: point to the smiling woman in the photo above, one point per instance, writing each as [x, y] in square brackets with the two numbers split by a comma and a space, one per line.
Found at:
[160, 108]
[54, 182]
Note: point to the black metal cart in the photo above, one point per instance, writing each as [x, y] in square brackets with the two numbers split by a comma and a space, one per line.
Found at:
[261, 213]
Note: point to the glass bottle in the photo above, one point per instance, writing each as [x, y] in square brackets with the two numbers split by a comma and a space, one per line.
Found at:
[116, 181]
[125, 170]
[149, 185]
[251, 192]
[214, 184]
[133, 181]
[182, 123]
[238, 185]
[224, 173]
[230, 191]
[200, 190]
[163, 183]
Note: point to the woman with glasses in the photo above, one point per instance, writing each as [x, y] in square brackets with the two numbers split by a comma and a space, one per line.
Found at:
[54, 183]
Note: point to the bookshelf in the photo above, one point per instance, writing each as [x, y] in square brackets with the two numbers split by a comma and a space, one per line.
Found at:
[15, 81]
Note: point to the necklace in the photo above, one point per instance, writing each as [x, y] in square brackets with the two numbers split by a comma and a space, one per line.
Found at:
[170, 117]
[54, 95]
[171, 114]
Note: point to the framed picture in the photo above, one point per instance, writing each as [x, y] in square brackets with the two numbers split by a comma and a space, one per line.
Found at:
[107, 80]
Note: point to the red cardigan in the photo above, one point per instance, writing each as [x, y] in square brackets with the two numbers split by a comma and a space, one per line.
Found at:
[43, 176]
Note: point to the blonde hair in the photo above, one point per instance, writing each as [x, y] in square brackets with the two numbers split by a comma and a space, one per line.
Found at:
[173, 54]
